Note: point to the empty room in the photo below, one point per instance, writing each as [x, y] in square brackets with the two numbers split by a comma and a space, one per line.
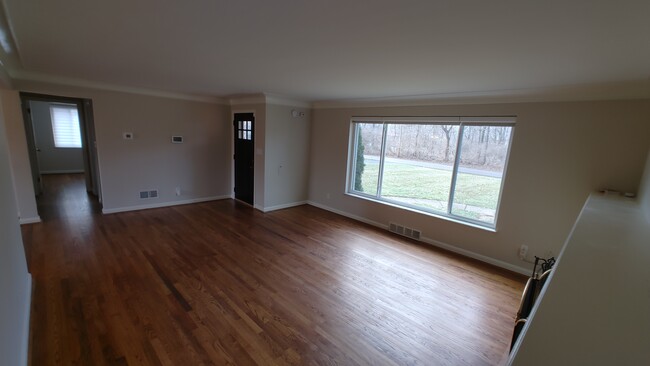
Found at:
[324, 182]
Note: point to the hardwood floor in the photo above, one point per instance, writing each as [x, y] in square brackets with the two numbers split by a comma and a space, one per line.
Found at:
[220, 283]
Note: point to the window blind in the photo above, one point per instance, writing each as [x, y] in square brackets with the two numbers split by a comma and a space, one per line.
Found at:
[65, 126]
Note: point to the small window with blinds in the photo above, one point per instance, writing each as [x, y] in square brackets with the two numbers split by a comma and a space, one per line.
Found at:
[65, 126]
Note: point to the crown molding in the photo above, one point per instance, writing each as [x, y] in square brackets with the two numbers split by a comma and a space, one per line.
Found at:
[247, 99]
[574, 93]
[21, 75]
[266, 98]
[281, 100]
[638, 89]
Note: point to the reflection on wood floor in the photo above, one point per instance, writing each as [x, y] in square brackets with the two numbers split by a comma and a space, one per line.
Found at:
[64, 195]
[220, 283]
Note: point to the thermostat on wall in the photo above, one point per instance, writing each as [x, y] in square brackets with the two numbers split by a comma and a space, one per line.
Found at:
[177, 139]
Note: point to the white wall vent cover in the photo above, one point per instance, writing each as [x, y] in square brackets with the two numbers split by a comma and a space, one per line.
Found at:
[404, 231]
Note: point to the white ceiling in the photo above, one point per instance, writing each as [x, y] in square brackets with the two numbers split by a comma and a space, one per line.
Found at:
[316, 50]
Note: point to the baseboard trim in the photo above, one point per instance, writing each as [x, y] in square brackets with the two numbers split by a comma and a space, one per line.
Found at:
[72, 171]
[29, 220]
[107, 211]
[347, 214]
[283, 206]
[24, 351]
[480, 257]
[432, 242]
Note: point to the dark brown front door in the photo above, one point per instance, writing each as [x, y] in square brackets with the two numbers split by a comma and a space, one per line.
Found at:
[244, 156]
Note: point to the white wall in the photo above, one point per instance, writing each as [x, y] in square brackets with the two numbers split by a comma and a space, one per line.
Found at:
[50, 158]
[21, 169]
[286, 157]
[200, 166]
[561, 152]
[15, 281]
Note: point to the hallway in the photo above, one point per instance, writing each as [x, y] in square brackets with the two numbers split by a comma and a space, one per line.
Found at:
[65, 196]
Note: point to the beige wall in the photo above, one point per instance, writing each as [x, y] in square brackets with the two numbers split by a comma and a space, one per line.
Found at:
[21, 169]
[15, 282]
[286, 156]
[561, 152]
[200, 166]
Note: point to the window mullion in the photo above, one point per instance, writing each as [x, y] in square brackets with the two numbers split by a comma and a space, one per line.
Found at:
[382, 157]
[454, 173]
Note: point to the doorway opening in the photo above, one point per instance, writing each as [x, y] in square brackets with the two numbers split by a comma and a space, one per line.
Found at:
[62, 152]
[244, 127]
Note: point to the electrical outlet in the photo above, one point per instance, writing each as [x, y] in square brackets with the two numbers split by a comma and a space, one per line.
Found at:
[178, 191]
[523, 250]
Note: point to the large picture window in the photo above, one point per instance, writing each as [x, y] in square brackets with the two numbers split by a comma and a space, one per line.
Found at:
[451, 167]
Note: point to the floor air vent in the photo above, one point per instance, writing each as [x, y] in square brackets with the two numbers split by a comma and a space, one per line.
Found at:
[404, 231]
[149, 194]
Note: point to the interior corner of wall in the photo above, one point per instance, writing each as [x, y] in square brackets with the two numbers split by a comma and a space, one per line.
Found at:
[5, 79]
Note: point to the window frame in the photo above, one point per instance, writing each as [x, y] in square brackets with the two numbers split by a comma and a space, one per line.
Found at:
[461, 122]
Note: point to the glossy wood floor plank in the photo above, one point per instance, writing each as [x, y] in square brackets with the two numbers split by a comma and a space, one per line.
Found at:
[219, 283]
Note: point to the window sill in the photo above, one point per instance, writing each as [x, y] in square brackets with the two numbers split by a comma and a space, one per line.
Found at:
[427, 213]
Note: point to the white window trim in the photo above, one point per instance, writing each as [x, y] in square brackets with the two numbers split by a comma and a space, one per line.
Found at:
[460, 121]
